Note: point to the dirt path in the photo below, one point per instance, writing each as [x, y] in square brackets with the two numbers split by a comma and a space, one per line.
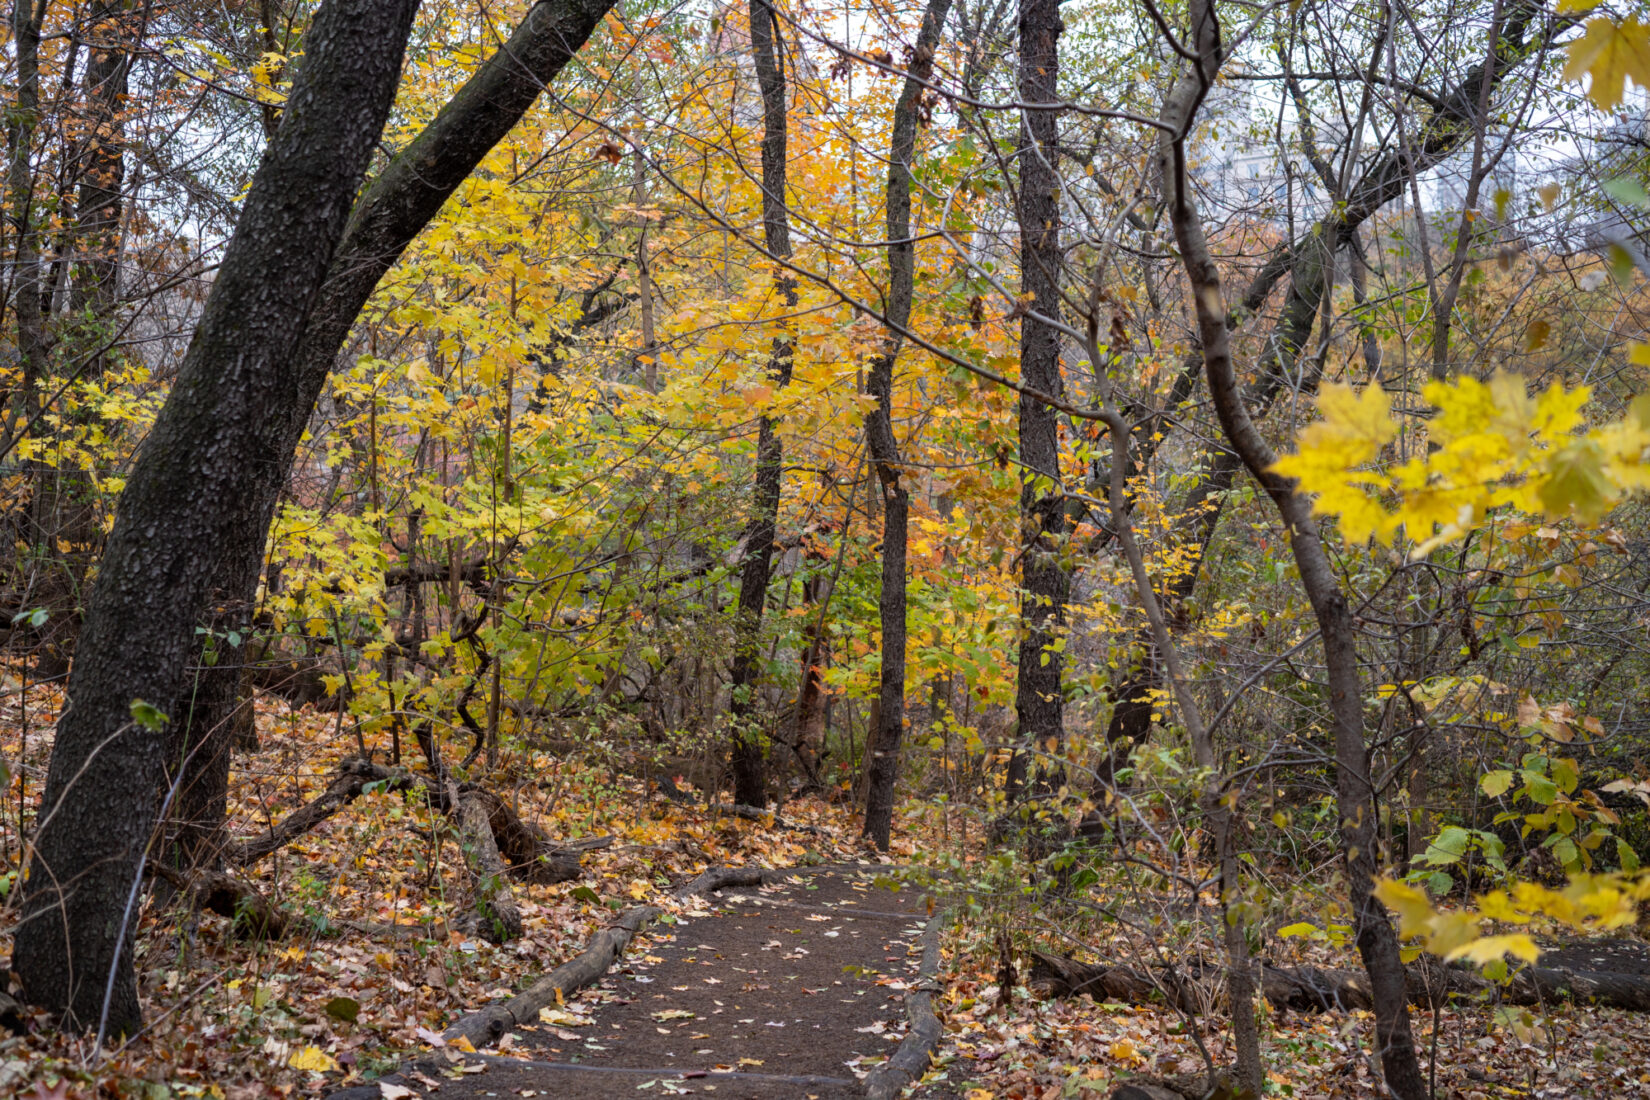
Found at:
[777, 991]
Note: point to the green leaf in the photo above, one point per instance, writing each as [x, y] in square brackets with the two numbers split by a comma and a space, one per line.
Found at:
[1440, 883]
[1540, 789]
[1450, 846]
[1628, 190]
[148, 716]
[1629, 858]
[1496, 783]
[586, 894]
[344, 1008]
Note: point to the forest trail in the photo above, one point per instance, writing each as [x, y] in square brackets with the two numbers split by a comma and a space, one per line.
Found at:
[765, 992]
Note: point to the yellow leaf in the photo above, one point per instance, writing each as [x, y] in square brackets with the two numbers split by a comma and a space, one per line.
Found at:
[1124, 1051]
[1411, 904]
[313, 1058]
[462, 1043]
[1490, 948]
[560, 1017]
[1610, 53]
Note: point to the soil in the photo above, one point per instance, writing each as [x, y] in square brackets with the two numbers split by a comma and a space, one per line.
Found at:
[786, 991]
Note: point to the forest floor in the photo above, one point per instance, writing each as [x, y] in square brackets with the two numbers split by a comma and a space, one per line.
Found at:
[334, 1006]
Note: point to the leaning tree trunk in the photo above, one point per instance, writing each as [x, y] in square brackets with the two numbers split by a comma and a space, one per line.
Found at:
[198, 484]
[749, 770]
[1377, 940]
[1045, 581]
[882, 765]
[397, 204]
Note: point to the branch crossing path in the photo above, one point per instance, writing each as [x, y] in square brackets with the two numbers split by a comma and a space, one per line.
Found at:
[791, 990]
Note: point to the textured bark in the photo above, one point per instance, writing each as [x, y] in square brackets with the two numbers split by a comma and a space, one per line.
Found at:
[1045, 581]
[882, 759]
[397, 204]
[199, 483]
[498, 918]
[1377, 941]
[749, 764]
[1190, 986]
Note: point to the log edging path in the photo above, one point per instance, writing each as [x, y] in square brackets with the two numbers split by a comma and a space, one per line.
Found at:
[605, 950]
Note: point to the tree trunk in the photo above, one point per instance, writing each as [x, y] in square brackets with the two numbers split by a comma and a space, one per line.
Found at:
[1377, 941]
[199, 483]
[1045, 581]
[397, 204]
[65, 502]
[882, 757]
[749, 764]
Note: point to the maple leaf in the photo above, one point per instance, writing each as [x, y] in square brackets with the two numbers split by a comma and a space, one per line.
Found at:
[1490, 948]
[1610, 53]
[313, 1058]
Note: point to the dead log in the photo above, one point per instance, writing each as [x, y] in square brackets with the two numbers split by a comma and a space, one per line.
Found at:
[533, 856]
[770, 818]
[915, 1052]
[353, 777]
[253, 915]
[1193, 984]
[12, 1014]
[486, 1027]
[498, 917]
[1185, 1086]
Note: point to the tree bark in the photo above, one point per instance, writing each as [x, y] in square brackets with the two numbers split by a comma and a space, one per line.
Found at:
[882, 759]
[749, 764]
[65, 501]
[197, 484]
[1191, 985]
[391, 211]
[1355, 796]
[1045, 581]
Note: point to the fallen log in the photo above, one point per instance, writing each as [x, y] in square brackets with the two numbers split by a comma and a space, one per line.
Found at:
[497, 916]
[771, 818]
[1193, 985]
[533, 856]
[253, 915]
[1193, 1086]
[353, 777]
[487, 1026]
[912, 1057]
